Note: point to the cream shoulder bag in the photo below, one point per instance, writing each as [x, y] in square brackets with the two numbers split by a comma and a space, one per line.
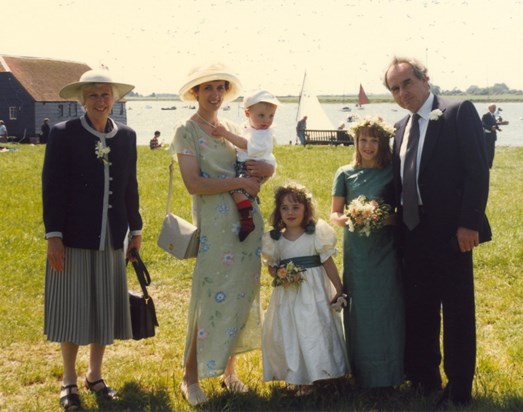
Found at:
[178, 237]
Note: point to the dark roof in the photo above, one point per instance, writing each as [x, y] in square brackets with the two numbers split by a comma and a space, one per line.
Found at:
[42, 78]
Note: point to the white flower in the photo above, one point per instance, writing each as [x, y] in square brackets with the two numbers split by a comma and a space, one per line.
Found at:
[435, 114]
[101, 151]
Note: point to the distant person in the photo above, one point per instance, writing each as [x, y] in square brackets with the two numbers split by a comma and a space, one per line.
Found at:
[302, 341]
[3, 132]
[341, 134]
[154, 143]
[44, 131]
[255, 144]
[90, 210]
[442, 211]
[300, 129]
[491, 127]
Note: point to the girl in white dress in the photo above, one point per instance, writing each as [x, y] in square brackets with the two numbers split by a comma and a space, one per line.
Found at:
[302, 334]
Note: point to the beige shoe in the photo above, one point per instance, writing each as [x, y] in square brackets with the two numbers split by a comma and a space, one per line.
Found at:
[304, 390]
[193, 393]
[233, 384]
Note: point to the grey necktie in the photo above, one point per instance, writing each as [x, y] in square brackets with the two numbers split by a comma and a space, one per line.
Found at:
[410, 187]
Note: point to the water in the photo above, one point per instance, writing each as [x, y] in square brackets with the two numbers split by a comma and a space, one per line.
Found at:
[146, 116]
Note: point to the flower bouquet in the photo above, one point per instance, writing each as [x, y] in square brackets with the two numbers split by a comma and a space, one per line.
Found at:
[366, 216]
[288, 275]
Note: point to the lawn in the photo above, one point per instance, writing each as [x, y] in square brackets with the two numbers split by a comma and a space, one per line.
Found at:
[148, 373]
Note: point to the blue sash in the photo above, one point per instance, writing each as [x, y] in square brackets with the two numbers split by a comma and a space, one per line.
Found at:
[303, 261]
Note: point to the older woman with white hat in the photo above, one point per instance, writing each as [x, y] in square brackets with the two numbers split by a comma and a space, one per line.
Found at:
[90, 204]
[224, 310]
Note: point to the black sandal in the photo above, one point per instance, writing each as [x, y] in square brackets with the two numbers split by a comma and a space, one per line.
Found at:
[105, 391]
[71, 401]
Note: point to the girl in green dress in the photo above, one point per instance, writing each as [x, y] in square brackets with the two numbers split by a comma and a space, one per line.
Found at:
[374, 319]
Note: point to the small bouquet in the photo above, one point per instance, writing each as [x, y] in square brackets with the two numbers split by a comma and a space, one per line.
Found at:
[340, 303]
[288, 275]
[366, 216]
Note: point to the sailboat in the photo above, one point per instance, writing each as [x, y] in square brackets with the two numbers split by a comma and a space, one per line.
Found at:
[309, 105]
[362, 98]
[319, 127]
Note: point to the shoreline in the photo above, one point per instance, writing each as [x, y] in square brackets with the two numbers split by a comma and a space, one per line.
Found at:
[353, 99]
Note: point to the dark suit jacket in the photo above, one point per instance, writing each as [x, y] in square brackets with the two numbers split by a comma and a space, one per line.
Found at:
[488, 121]
[73, 185]
[454, 174]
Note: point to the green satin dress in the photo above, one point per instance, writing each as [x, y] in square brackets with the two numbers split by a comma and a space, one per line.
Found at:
[374, 320]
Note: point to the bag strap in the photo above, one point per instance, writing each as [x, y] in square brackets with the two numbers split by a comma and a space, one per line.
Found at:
[170, 192]
[141, 273]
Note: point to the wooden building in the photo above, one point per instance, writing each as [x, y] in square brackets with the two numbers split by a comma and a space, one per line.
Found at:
[29, 88]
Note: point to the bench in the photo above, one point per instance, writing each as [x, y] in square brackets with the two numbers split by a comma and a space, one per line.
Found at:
[328, 137]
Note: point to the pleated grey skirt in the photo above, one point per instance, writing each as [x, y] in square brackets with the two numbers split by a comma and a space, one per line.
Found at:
[88, 302]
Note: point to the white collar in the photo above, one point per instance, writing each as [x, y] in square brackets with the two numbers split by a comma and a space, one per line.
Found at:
[426, 107]
[98, 134]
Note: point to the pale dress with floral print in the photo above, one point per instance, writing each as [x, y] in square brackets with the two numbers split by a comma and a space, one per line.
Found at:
[224, 306]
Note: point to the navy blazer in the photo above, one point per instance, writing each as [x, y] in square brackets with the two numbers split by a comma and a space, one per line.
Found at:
[454, 175]
[488, 120]
[73, 185]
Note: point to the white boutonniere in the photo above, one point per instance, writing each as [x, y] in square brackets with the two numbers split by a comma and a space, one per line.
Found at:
[435, 114]
[102, 152]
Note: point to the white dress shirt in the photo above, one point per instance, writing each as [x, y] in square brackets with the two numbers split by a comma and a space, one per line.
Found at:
[423, 112]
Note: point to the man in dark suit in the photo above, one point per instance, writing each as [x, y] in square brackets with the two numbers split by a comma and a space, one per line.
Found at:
[490, 125]
[442, 214]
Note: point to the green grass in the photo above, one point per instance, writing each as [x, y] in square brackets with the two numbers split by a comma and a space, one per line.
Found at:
[148, 372]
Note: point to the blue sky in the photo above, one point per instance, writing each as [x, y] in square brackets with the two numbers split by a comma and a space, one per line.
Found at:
[270, 43]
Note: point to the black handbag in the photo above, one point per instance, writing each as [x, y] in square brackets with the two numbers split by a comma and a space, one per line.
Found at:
[143, 313]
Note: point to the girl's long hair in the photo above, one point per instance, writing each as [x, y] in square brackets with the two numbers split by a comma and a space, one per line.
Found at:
[296, 193]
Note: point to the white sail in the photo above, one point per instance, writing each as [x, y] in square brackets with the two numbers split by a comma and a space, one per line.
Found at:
[310, 106]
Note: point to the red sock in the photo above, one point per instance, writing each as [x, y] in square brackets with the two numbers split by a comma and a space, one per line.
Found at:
[246, 221]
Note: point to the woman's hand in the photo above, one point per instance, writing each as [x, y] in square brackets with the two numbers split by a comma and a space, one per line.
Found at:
[259, 168]
[56, 253]
[134, 243]
[251, 185]
[338, 219]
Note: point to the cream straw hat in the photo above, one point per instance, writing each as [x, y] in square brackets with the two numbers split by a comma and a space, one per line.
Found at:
[209, 73]
[74, 90]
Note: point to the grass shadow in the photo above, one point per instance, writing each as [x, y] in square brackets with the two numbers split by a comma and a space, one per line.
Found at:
[132, 397]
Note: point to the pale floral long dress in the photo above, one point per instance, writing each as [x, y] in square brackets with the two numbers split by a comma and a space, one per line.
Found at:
[224, 306]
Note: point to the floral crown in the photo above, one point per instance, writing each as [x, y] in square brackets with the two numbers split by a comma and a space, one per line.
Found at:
[377, 124]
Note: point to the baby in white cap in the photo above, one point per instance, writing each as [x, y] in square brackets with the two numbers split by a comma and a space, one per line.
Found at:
[256, 144]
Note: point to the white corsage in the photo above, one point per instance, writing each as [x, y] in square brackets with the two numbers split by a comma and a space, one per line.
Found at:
[102, 152]
[435, 114]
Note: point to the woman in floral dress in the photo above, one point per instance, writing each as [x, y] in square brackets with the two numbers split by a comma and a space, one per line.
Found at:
[224, 310]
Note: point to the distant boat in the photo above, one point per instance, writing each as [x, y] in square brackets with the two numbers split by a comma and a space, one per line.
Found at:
[169, 108]
[346, 109]
[226, 108]
[309, 105]
[362, 98]
[319, 127]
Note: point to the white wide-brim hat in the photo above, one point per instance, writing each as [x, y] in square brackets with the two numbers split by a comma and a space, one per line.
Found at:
[74, 90]
[210, 73]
